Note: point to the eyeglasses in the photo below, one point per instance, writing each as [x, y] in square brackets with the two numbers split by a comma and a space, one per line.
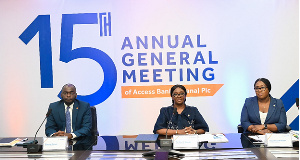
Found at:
[260, 89]
[178, 95]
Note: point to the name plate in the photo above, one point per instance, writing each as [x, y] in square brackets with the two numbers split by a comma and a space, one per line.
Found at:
[185, 141]
[278, 140]
[55, 143]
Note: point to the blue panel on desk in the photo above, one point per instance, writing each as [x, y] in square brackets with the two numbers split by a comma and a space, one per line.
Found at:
[148, 138]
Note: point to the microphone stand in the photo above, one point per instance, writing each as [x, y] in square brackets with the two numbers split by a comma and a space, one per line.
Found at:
[167, 143]
[165, 146]
[33, 146]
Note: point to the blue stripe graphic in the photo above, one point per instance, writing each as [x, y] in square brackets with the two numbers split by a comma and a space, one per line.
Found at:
[112, 142]
[289, 99]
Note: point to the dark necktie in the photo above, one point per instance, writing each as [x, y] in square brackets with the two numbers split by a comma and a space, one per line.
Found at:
[68, 120]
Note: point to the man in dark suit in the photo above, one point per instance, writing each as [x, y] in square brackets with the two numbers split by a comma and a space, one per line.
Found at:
[69, 117]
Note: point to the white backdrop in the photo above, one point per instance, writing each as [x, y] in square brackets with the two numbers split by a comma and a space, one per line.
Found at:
[248, 40]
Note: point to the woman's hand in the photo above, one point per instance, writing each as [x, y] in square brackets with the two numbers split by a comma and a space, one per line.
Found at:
[256, 128]
[189, 130]
[264, 131]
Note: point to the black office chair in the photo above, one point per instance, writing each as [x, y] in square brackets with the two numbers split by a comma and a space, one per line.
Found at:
[241, 130]
[94, 129]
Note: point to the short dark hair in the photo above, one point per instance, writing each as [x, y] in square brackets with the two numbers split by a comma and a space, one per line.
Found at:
[68, 85]
[265, 81]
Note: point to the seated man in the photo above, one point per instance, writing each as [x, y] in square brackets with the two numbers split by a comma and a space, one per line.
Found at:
[69, 117]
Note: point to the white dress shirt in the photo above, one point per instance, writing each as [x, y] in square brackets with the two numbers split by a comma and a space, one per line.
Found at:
[263, 117]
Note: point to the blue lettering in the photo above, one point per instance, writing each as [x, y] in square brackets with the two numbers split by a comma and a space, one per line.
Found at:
[176, 42]
[106, 24]
[140, 59]
[131, 75]
[140, 41]
[130, 60]
[199, 57]
[143, 74]
[155, 75]
[159, 43]
[187, 41]
[207, 147]
[128, 147]
[170, 73]
[212, 76]
[158, 60]
[144, 146]
[184, 56]
[126, 43]
[198, 42]
[181, 74]
[189, 73]
[170, 58]
[210, 59]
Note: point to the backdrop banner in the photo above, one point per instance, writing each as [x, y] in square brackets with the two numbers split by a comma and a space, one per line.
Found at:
[123, 56]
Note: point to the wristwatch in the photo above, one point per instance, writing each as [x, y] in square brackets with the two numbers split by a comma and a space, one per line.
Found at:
[266, 127]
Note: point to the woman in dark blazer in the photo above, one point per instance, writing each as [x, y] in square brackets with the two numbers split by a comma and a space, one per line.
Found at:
[180, 118]
[263, 113]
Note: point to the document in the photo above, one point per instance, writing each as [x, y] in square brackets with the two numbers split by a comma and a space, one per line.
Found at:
[212, 138]
[278, 140]
[258, 138]
[189, 141]
[9, 141]
[55, 143]
[192, 141]
[285, 153]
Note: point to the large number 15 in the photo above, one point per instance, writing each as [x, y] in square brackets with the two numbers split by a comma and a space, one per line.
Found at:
[42, 25]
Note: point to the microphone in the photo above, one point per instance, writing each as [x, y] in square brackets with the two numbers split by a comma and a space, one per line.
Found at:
[174, 112]
[167, 143]
[33, 147]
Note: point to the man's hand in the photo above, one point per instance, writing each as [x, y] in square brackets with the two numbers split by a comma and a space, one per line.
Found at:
[69, 135]
[62, 133]
[59, 133]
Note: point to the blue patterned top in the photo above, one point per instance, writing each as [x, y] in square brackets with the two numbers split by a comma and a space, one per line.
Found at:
[190, 116]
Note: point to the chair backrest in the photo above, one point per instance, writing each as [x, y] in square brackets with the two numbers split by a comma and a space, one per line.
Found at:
[94, 129]
[240, 129]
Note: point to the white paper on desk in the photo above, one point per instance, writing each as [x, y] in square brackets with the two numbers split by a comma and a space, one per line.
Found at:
[258, 138]
[189, 141]
[278, 140]
[55, 143]
[212, 138]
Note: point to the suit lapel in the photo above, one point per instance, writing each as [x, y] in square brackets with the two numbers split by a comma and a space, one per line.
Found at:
[62, 114]
[74, 115]
[256, 109]
[272, 108]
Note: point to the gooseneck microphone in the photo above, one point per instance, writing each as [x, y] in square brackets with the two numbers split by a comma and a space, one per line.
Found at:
[174, 112]
[34, 147]
[167, 143]
[47, 115]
